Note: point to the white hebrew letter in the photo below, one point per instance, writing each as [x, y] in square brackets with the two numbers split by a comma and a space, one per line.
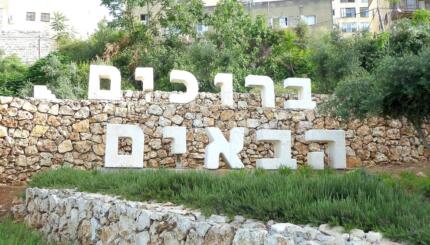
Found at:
[281, 140]
[98, 72]
[225, 82]
[190, 82]
[112, 158]
[303, 86]
[146, 76]
[42, 92]
[179, 138]
[267, 89]
[219, 145]
[316, 160]
[336, 145]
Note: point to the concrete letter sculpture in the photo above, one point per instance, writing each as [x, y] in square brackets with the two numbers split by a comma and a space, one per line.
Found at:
[336, 145]
[42, 92]
[146, 76]
[98, 72]
[219, 145]
[303, 86]
[281, 140]
[179, 139]
[112, 158]
[225, 82]
[316, 160]
[190, 82]
[267, 89]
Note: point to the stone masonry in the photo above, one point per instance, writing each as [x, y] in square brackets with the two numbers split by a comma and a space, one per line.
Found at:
[37, 134]
[28, 46]
[69, 217]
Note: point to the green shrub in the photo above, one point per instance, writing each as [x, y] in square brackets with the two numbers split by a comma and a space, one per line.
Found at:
[353, 200]
[13, 75]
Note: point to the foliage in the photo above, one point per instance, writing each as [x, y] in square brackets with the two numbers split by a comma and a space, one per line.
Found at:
[399, 87]
[13, 75]
[353, 200]
[65, 79]
[60, 27]
[421, 17]
[18, 234]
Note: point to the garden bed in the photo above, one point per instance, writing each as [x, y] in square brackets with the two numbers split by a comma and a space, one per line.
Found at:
[352, 200]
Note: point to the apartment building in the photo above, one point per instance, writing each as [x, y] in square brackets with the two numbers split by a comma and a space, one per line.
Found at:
[36, 16]
[279, 13]
[386, 12]
[351, 16]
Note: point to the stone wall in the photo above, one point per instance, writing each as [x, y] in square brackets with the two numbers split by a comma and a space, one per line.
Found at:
[29, 46]
[36, 134]
[66, 216]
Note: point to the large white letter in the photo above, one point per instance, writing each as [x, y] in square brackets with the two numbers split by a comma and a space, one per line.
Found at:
[316, 160]
[146, 76]
[190, 82]
[179, 139]
[303, 86]
[112, 158]
[225, 82]
[98, 72]
[42, 92]
[336, 145]
[281, 140]
[267, 89]
[219, 145]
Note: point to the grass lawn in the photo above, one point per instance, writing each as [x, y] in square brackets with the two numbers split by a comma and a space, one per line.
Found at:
[354, 200]
[18, 234]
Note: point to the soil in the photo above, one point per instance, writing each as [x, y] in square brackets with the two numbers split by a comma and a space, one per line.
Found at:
[9, 196]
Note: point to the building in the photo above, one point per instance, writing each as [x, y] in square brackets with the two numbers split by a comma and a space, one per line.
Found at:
[386, 12]
[279, 13]
[351, 16]
[36, 16]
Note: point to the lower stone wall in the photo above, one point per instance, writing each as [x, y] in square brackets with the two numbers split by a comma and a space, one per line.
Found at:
[66, 216]
[37, 134]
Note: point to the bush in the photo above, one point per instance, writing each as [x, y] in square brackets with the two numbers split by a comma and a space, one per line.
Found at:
[353, 200]
[13, 75]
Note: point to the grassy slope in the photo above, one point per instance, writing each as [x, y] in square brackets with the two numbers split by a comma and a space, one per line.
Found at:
[353, 200]
[18, 234]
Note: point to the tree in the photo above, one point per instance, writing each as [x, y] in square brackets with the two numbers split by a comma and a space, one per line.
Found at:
[59, 26]
[398, 88]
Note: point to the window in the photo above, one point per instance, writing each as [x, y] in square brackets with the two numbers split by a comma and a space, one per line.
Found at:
[364, 26]
[45, 17]
[347, 12]
[283, 22]
[311, 20]
[144, 18]
[364, 12]
[333, 13]
[31, 16]
[349, 27]
[347, 1]
[364, 1]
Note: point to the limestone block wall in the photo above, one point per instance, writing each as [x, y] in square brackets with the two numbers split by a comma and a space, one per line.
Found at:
[66, 216]
[37, 134]
[29, 46]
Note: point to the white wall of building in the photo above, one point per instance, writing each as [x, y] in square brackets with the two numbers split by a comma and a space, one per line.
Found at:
[351, 24]
[83, 15]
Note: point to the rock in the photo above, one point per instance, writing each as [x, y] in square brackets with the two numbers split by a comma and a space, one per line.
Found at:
[65, 146]
[39, 130]
[332, 231]
[220, 235]
[29, 107]
[5, 100]
[252, 123]
[23, 134]
[54, 110]
[82, 113]
[46, 145]
[82, 126]
[357, 233]
[142, 238]
[3, 131]
[177, 120]
[82, 146]
[43, 107]
[227, 115]
[249, 237]
[373, 237]
[155, 110]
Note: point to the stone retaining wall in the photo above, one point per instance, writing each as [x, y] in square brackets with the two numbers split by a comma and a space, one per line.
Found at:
[36, 134]
[66, 216]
